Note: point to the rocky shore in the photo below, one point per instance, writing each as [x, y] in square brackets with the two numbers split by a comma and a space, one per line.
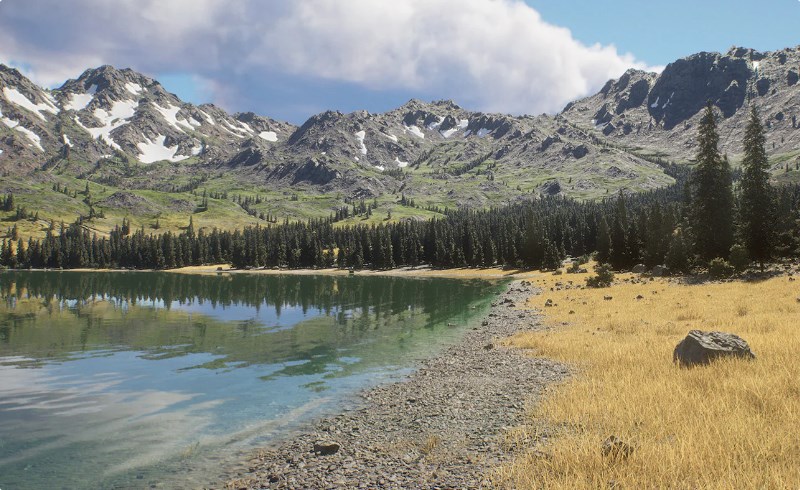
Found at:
[443, 427]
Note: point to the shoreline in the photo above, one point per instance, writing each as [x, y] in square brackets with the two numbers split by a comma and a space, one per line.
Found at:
[420, 272]
[446, 425]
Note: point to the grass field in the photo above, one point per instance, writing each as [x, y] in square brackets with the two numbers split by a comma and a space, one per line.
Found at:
[732, 424]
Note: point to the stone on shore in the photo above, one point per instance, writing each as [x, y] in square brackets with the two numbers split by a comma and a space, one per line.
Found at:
[326, 448]
[701, 347]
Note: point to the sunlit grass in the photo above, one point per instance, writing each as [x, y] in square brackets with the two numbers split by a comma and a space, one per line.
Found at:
[732, 424]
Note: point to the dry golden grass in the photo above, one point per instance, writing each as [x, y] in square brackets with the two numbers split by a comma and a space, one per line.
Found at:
[733, 424]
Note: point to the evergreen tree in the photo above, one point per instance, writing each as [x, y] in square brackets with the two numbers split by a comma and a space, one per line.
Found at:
[678, 253]
[712, 196]
[756, 209]
[620, 258]
[603, 242]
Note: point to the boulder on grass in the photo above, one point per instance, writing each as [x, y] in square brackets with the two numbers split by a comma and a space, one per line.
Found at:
[639, 269]
[659, 271]
[701, 347]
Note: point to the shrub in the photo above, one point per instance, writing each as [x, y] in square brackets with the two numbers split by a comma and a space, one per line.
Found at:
[739, 258]
[604, 277]
[719, 268]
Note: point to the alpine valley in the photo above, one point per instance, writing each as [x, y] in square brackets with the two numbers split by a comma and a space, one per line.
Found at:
[114, 144]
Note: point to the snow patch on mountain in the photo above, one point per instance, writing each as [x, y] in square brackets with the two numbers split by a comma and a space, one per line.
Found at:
[119, 115]
[155, 151]
[400, 163]
[170, 114]
[133, 88]
[360, 137]
[391, 137]
[270, 136]
[233, 129]
[462, 124]
[209, 119]
[449, 132]
[66, 140]
[12, 124]
[246, 127]
[31, 136]
[434, 125]
[79, 102]
[16, 97]
[415, 131]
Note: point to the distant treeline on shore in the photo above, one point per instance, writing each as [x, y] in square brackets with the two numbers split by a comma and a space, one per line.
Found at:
[703, 216]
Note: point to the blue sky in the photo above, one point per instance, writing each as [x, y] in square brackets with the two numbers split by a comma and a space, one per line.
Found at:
[290, 60]
[661, 32]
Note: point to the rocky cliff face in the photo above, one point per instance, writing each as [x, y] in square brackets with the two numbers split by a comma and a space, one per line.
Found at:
[659, 113]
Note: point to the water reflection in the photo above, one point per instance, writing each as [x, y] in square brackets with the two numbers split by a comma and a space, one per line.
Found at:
[145, 376]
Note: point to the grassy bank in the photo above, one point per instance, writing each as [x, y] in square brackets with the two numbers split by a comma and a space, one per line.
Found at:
[732, 424]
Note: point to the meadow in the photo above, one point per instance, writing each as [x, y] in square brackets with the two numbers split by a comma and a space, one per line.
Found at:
[732, 424]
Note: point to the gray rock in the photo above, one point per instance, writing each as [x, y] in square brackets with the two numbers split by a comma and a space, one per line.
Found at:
[326, 448]
[659, 271]
[551, 188]
[701, 347]
[580, 151]
[639, 269]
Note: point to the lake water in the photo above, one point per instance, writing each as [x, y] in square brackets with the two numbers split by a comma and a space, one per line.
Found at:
[160, 380]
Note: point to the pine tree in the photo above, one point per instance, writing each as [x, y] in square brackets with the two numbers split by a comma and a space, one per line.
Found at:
[712, 197]
[603, 242]
[677, 257]
[756, 208]
[619, 244]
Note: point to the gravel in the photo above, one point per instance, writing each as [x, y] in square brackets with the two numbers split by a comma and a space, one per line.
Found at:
[443, 427]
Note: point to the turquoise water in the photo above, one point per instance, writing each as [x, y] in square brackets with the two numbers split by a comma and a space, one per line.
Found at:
[142, 379]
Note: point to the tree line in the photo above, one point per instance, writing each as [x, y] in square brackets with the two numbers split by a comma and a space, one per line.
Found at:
[703, 217]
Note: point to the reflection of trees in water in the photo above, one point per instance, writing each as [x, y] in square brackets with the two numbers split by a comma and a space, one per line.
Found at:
[384, 296]
[374, 317]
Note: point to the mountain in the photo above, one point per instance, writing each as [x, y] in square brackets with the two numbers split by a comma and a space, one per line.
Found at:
[148, 156]
[657, 114]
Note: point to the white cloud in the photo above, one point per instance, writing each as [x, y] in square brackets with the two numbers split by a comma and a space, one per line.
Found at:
[496, 55]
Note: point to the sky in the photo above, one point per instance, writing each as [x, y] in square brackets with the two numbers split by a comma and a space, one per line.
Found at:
[290, 60]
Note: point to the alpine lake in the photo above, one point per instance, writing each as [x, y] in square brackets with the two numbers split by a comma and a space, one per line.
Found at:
[162, 380]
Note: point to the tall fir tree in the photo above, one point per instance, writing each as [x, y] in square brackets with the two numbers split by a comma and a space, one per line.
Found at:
[603, 241]
[756, 207]
[619, 257]
[712, 194]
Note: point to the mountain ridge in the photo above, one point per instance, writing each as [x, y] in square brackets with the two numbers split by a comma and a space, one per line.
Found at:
[119, 128]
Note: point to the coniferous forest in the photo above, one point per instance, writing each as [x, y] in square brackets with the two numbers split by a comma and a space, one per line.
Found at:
[707, 216]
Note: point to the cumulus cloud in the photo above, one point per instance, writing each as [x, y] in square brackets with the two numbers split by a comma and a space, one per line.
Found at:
[494, 55]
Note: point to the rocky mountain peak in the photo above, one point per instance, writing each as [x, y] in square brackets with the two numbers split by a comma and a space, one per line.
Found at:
[109, 84]
[746, 53]
[660, 111]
